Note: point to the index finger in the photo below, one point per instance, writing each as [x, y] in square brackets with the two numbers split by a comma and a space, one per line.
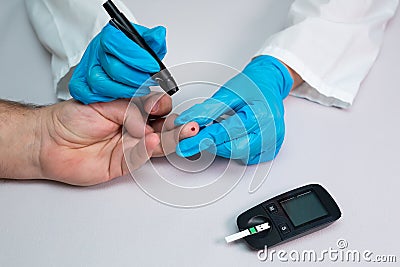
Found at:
[157, 104]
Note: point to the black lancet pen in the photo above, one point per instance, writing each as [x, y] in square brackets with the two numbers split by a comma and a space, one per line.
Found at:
[118, 20]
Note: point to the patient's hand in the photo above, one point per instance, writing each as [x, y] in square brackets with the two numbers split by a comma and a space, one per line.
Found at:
[82, 144]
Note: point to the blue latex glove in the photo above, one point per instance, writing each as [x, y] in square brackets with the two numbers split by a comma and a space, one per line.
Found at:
[113, 66]
[255, 129]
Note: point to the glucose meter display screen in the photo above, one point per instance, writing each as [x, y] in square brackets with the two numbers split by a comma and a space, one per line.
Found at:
[303, 208]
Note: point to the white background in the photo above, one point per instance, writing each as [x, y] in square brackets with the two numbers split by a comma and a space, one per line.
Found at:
[353, 153]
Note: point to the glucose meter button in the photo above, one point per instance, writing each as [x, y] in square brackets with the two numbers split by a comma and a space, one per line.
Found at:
[284, 228]
[271, 208]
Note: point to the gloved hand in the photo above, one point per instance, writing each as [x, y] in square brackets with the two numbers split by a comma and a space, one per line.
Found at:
[113, 66]
[255, 131]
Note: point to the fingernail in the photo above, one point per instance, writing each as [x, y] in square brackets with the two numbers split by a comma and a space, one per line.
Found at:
[155, 108]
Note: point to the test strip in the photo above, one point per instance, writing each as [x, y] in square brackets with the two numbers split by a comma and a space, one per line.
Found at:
[247, 232]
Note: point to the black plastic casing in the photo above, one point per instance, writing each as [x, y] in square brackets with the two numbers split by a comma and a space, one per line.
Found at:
[274, 236]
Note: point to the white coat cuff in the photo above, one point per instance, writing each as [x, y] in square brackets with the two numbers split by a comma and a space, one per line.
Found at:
[314, 88]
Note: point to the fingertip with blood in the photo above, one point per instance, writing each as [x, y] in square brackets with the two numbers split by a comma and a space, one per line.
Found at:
[188, 130]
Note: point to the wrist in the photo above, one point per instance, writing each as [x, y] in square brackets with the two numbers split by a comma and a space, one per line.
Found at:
[297, 80]
[271, 75]
[20, 127]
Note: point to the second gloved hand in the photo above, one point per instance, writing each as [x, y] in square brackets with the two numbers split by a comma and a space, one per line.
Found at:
[113, 66]
[253, 100]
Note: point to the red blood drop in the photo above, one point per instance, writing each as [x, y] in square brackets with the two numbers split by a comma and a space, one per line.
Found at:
[193, 129]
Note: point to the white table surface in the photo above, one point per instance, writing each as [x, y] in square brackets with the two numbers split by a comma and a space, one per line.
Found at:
[354, 153]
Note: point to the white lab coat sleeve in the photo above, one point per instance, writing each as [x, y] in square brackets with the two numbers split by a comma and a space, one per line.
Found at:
[331, 44]
[65, 28]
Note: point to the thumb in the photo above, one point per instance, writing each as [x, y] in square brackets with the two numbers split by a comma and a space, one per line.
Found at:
[155, 38]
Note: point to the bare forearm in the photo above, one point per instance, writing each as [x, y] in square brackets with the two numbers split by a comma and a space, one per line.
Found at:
[19, 140]
[297, 80]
